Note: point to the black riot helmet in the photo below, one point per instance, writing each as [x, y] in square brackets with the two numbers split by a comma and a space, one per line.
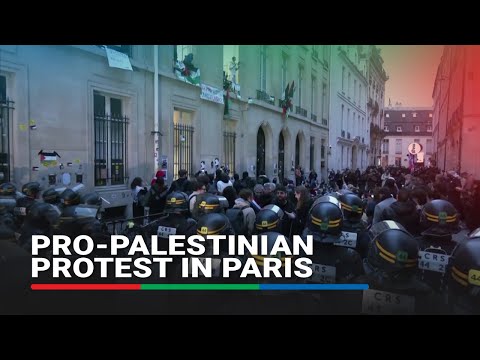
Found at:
[214, 224]
[209, 204]
[8, 189]
[51, 196]
[269, 218]
[176, 202]
[331, 198]
[352, 207]
[271, 237]
[91, 199]
[439, 218]
[69, 197]
[464, 268]
[325, 221]
[392, 250]
[43, 215]
[31, 189]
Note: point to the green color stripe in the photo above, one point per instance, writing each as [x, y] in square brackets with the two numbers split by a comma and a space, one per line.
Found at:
[199, 287]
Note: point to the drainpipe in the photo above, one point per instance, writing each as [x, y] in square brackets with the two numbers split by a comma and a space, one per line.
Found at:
[463, 110]
[155, 109]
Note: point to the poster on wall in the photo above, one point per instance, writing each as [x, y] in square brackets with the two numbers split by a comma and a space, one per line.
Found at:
[48, 159]
[164, 165]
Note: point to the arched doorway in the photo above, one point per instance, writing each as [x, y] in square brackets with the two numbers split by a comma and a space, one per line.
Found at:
[281, 157]
[297, 151]
[260, 152]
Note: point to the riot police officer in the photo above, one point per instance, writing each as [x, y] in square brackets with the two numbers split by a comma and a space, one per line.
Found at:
[275, 301]
[51, 196]
[8, 198]
[464, 276]
[354, 229]
[204, 302]
[331, 261]
[325, 223]
[40, 220]
[438, 221]
[390, 268]
[31, 191]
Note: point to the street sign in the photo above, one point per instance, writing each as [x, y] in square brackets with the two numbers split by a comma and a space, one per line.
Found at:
[414, 148]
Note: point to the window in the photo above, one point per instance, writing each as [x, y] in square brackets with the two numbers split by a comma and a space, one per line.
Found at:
[182, 50]
[430, 115]
[414, 115]
[126, 49]
[360, 94]
[385, 146]
[343, 79]
[312, 153]
[429, 128]
[229, 139]
[348, 84]
[313, 95]
[300, 84]
[417, 128]
[398, 146]
[398, 161]
[387, 115]
[325, 53]
[263, 68]
[322, 154]
[342, 121]
[324, 102]
[182, 142]
[6, 113]
[429, 148]
[110, 134]
[347, 125]
[3, 89]
[354, 90]
[284, 73]
[399, 129]
[385, 128]
[403, 115]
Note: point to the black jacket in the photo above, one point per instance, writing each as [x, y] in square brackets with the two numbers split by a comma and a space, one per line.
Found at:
[405, 213]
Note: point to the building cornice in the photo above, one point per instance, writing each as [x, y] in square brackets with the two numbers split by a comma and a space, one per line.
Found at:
[352, 66]
[342, 96]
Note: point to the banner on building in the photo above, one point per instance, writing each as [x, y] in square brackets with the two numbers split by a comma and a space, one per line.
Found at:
[211, 94]
[118, 60]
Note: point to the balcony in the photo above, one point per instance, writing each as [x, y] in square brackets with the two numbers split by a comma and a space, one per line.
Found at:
[263, 96]
[300, 111]
[313, 117]
[325, 122]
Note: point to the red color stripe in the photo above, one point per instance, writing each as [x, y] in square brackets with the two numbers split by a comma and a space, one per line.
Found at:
[85, 286]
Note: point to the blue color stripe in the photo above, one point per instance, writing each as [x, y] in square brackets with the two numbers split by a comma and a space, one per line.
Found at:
[313, 286]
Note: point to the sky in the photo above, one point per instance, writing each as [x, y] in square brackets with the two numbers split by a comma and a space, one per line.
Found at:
[411, 70]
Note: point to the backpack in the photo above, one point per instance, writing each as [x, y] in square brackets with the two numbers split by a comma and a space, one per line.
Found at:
[143, 197]
[237, 219]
